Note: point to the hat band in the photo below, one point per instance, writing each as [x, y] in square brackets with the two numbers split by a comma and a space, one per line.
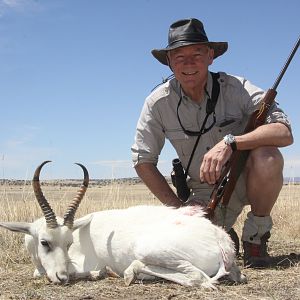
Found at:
[188, 38]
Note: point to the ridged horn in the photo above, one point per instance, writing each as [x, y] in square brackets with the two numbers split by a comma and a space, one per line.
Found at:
[71, 210]
[46, 209]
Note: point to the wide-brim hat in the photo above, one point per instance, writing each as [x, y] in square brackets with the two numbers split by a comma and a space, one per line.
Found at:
[188, 32]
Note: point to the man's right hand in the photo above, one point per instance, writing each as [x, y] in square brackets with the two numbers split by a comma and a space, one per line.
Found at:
[157, 184]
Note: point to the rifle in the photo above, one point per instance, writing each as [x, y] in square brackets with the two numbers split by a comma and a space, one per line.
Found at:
[223, 189]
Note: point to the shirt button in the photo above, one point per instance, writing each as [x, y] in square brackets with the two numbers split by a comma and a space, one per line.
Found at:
[220, 130]
[207, 148]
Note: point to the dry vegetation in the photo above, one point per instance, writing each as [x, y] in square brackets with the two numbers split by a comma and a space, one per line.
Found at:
[17, 203]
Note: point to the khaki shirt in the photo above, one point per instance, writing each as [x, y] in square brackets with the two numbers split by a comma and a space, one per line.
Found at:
[238, 99]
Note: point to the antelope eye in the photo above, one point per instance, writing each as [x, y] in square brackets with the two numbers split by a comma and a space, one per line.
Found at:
[45, 243]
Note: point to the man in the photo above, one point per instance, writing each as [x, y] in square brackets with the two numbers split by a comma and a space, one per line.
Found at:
[178, 110]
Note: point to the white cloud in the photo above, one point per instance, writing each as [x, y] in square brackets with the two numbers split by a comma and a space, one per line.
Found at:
[21, 149]
[124, 168]
[12, 3]
[120, 163]
[22, 136]
[111, 162]
[17, 5]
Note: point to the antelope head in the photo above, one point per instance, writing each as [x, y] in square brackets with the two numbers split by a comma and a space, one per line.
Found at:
[49, 238]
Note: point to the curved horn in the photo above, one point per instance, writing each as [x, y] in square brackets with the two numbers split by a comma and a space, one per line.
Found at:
[47, 210]
[70, 213]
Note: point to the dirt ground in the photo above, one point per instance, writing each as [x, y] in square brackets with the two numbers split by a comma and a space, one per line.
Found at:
[281, 281]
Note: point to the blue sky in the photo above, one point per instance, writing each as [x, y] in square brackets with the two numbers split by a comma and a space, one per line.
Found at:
[74, 75]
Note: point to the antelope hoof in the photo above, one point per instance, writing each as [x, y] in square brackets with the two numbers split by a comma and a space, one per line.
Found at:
[96, 275]
[111, 273]
[129, 277]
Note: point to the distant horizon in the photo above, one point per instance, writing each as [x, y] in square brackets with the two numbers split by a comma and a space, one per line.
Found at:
[285, 179]
[112, 170]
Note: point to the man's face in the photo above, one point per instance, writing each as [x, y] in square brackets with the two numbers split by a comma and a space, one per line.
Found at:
[190, 64]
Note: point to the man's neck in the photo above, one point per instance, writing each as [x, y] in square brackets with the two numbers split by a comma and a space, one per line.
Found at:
[196, 94]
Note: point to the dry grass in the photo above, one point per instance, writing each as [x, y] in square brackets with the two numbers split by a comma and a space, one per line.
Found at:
[281, 281]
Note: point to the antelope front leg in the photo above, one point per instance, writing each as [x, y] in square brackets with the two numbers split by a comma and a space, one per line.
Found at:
[132, 271]
[95, 275]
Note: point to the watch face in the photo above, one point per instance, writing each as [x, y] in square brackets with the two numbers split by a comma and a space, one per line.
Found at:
[229, 138]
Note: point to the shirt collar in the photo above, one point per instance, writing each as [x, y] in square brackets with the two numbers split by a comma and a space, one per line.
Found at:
[179, 91]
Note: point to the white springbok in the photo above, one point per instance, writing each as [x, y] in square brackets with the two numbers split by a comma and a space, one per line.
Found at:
[141, 242]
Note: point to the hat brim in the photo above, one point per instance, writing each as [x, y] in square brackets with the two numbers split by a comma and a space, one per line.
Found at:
[161, 54]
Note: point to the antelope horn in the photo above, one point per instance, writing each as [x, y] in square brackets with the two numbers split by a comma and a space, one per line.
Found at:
[70, 213]
[47, 210]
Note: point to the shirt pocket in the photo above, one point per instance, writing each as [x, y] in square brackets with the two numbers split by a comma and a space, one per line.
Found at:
[235, 127]
[180, 141]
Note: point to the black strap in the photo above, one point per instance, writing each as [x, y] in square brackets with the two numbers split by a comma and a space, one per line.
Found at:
[210, 105]
[210, 109]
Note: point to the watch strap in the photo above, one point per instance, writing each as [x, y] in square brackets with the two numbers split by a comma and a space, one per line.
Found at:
[229, 139]
[233, 146]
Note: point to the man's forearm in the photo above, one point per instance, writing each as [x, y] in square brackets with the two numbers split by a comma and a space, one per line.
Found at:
[157, 184]
[275, 134]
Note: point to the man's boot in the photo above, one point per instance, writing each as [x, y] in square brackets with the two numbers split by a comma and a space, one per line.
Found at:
[256, 256]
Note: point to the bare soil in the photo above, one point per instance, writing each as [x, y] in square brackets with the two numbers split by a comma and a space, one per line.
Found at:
[280, 281]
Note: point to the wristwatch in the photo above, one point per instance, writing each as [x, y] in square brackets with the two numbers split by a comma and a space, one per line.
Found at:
[229, 139]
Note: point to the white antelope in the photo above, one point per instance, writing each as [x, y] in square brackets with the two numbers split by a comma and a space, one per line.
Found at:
[141, 242]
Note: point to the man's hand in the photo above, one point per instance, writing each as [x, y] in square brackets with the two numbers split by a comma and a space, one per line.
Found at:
[213, 162]
[157, 184]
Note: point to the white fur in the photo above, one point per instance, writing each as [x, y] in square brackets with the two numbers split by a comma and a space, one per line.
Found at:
[141, 242]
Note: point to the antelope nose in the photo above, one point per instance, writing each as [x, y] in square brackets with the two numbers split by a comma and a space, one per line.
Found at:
[62, 277]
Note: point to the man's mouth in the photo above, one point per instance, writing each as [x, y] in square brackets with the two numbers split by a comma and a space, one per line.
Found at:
[190, 73]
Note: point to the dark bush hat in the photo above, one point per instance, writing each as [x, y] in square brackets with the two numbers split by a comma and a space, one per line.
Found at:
[187, 32]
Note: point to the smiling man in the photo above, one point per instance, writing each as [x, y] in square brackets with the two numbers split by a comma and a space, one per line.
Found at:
[203, 115]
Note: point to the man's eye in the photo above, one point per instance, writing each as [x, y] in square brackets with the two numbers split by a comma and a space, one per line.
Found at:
[199, 54]
[179, 58]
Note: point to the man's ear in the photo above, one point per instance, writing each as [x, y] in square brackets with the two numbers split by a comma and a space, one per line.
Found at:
[211, 53]
[168, 60]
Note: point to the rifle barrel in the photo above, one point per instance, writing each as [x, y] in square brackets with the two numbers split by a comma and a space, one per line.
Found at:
[286, 65]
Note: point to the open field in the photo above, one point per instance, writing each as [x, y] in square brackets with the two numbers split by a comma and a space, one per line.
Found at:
[17, 203]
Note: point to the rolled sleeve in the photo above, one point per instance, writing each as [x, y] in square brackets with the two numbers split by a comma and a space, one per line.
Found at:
[256, 96]
[276, 115]
[149, 138]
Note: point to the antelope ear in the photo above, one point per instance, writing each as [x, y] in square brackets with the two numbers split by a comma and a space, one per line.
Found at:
[82, 222]
[22, 227]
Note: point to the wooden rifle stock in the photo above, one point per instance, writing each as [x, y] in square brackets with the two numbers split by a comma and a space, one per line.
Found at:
[223, 189]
